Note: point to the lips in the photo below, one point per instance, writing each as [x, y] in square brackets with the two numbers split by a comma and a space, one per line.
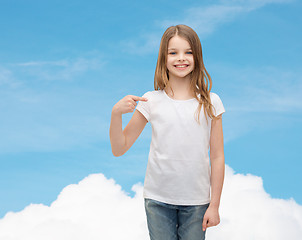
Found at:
[181, 66]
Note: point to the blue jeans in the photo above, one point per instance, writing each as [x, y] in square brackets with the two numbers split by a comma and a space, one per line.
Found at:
[174, 222]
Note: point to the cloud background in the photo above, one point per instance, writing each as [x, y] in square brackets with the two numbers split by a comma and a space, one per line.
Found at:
[98, 208]
[63, 66]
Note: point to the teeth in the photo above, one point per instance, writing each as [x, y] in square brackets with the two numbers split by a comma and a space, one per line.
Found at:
[181, 66]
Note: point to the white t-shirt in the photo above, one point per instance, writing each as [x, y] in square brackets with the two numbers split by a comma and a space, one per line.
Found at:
[178, 169]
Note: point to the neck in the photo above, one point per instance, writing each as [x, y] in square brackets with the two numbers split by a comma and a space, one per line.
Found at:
[180, 86]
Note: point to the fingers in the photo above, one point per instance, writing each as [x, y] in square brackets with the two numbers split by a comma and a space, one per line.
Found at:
[205, 227]
[136, 98]
[133, 100]
[205, 223]
[208, 222]
[131, 105]
[128, 104]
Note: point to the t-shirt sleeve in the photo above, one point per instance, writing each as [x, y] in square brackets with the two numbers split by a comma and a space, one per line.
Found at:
[217, 103]
[144, 106]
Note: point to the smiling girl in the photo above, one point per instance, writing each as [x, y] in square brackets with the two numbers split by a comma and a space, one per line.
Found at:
[183, 184]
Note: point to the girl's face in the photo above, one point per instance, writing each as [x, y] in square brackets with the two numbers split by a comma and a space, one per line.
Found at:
[180, 61]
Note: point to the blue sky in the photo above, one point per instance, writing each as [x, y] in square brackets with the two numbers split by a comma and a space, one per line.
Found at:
[63, 66]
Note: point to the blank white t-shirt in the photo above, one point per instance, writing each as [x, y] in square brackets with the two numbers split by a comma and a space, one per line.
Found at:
[178, 169]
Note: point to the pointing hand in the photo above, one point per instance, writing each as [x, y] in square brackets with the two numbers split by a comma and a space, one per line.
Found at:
[127, 104]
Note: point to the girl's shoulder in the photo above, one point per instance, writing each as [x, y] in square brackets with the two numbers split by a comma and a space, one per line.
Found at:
[216, 101]
[214, 97]
[153, 93]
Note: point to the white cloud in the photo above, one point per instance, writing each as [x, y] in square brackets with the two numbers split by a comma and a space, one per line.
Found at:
[63, 63]
[205, 20]
[64, 69]
[7, 78]
[248, 212]
[97, 208]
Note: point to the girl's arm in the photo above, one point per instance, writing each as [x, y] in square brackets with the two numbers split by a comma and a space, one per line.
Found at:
[211, 217]
[217, 161]
[121, 140]
[117, 138]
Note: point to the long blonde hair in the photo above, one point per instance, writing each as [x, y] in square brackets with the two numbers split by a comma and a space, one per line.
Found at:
[200, 78]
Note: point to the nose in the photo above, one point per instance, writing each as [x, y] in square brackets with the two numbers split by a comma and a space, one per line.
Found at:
[181, 56]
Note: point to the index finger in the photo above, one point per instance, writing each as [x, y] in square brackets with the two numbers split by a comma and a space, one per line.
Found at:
[136, 98]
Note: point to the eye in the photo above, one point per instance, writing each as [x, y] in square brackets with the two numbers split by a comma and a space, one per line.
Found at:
[172, 53]
[189, 52]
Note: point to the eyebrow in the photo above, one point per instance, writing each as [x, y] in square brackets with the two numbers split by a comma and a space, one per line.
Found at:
[176, 49]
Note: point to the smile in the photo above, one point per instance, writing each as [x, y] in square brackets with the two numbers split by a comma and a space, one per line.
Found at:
[183, 66]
